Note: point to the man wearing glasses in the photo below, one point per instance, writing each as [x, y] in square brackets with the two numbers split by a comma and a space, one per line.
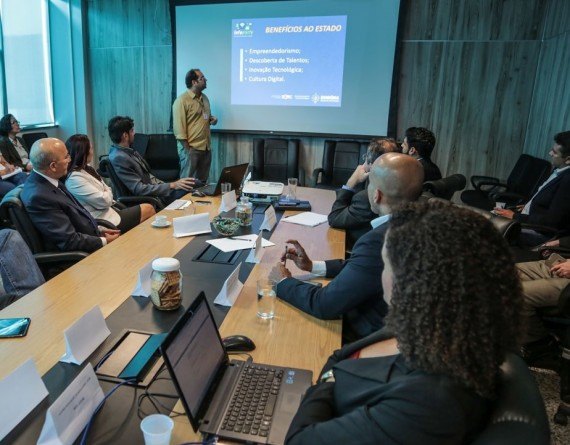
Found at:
[192, 118]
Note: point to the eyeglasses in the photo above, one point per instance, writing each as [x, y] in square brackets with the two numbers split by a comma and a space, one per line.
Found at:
[14, 122]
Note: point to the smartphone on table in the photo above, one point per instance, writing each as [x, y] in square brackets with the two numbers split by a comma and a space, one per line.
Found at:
[14, 327]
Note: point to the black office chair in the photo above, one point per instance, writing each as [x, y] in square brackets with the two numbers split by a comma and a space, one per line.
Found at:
[523, 181]
[30, 138]
[13, 209]
[445, 188]
[519, 415]
[161, 153]
[276, 160]
[120, 192]
[340, 158]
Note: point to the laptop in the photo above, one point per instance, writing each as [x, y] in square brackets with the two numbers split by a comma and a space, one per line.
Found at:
[215, 391]
[233, 174]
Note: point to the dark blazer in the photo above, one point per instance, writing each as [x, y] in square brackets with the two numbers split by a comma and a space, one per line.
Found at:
[355, 293]
[351, 211]
[61, 220]
[382, 400]
[134, 173]
[9, 151]
[551, 206]
[431, 170]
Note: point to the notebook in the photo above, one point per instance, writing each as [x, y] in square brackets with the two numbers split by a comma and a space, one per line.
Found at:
[233, 174]
[213, 389]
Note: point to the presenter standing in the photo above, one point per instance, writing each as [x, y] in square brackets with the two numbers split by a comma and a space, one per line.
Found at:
[191, 120]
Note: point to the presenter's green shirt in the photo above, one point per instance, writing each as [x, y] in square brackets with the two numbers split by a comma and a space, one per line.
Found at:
[191, 119]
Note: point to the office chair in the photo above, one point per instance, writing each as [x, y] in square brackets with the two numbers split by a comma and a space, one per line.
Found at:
[30, 138]
[340, 158]
[161, 153]
[120, 192]
[523, 181]
[445, 188]
[276, 160]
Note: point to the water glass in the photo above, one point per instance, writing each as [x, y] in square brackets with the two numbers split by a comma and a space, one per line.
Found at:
[157, 429]
[266, 298]
[292, 188]
[226, 187]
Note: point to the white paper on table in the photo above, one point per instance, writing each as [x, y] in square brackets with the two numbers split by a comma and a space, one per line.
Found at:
[143, 286]
[178, 204]
[229, 201]
[84, 336]
[269, 220]
[240, 242]
[256, 253]
[191, 225]
[9, 175]
[306, 219]
[22, 390]
[230, 290]
[69, 414]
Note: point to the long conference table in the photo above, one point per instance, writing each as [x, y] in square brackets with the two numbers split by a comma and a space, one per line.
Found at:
[108, 276]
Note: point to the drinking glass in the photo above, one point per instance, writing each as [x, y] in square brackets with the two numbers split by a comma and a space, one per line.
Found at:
[226, 187]
[292, 188]
[266, 298]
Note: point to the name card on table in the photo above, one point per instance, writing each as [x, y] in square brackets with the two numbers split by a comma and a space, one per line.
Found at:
[234, 243]
[306, 219]
[229, 201]
[84, 336]
[178, 204]
[230, 290]
[22, 391]
[69, 414]
[256, 253]
[143, 286]
[269, 220]
[192, 225]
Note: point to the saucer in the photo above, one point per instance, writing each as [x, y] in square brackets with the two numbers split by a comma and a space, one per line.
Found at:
[160, 226]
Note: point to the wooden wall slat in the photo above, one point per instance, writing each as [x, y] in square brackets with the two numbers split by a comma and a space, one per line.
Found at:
[557, 21]
[116, 23]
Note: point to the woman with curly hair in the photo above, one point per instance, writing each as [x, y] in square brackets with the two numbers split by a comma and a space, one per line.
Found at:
[430, 375]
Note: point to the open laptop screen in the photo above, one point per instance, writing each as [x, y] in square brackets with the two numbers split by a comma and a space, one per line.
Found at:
[195, 354]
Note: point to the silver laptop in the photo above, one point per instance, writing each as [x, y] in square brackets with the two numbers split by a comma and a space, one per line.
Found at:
[242, 401]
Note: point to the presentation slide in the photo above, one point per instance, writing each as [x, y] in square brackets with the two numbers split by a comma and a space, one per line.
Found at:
[299, 66]
[288, 61]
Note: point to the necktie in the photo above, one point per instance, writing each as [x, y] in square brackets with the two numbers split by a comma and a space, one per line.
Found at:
[78, 205]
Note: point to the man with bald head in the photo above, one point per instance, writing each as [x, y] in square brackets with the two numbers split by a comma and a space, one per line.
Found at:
[62, 221]
[355, 293]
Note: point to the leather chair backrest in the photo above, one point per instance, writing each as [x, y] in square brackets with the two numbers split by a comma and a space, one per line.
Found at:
[446, 187]
[275, 159]
[30, 138]
[519, 415]
[106, 169]
[340, 158]
[14, 210]
[161, 153]
[528, 174]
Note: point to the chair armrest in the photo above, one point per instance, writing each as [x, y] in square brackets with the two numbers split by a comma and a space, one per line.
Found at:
[60, 257]
[315, 176]
[510, 198]
[107, 224]
[130, 201]
[543, 229]
[492, 187]
[475, 180]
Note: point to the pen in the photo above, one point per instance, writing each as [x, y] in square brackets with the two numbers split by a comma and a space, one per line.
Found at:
[285, 259]
[203, 202]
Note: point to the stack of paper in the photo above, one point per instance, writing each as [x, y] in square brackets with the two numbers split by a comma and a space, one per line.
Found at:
[241, 242]
[306, 219]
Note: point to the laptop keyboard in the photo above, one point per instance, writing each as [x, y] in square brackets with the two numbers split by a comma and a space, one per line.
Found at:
[251, 407]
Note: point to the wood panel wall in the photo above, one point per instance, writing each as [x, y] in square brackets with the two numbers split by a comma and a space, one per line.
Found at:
[476, 72]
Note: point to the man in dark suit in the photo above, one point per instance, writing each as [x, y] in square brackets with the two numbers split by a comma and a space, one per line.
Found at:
[419, 143]
[351, 210]
[355, 293]
[133, 170]
[56, 214]
[550, 205]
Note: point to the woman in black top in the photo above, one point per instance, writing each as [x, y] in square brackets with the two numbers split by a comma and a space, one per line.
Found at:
[429, 377]
[13, 148]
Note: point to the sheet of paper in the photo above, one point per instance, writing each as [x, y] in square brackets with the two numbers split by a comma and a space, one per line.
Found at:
[256, 253]
[142, 288]
[22, 391]
[191, 225]
[309, 219]
[9, 175]
[230, 290]
[69, 414]
[178, 204]
[228, 202]
[84, 336]
[269, 220]
[239, 242]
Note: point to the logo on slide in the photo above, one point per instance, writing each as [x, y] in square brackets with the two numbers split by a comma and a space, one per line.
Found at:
[243, 29]
[315, 98]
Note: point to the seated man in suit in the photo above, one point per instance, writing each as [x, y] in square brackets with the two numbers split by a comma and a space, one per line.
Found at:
[356, 290]
[419, 143]
[550, 205]
[351, 210]
[62, 221]
[134, 171]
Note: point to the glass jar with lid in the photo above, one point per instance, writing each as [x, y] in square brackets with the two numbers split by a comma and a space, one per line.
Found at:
[244, 212]
[166, 284]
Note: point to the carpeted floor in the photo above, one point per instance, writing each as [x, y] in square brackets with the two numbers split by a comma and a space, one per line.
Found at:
[549, 385]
